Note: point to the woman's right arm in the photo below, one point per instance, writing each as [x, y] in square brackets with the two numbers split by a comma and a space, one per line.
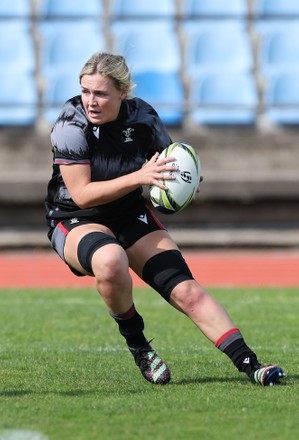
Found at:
[87, 194]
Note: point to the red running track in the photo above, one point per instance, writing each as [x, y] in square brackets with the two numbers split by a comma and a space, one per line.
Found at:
[211, 268]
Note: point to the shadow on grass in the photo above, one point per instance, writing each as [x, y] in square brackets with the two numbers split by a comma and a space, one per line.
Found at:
[206, 380]
[192, 381]
[15, 393]
[241, 380]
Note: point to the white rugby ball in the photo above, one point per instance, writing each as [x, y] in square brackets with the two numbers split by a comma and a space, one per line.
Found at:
[182, 189]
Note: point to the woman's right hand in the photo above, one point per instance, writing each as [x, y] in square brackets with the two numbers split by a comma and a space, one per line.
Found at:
[153, 171]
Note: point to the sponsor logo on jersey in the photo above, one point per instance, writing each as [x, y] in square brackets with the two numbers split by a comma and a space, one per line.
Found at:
[74, 220]
[143, 218]
[127, 132]
[96, 132]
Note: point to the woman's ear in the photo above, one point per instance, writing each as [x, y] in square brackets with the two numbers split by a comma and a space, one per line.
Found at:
[124, 94]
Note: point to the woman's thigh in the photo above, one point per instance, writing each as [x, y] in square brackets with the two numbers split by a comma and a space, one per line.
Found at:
[148, 246]
[73, 239]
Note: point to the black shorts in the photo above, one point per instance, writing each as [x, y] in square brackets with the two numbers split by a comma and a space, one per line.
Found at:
[127, 231]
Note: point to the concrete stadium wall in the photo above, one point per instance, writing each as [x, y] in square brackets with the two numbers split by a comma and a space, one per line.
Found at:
[243, 168]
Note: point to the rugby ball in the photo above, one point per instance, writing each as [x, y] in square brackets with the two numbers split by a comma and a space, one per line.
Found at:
[182, 189]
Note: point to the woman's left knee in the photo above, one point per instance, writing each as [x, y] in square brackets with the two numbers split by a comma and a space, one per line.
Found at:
[188, 294]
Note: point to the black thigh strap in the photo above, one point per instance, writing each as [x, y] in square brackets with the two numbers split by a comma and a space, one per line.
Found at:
[166, 270]
[89, 244]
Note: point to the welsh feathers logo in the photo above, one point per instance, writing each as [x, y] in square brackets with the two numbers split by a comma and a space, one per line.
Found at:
[128, 132]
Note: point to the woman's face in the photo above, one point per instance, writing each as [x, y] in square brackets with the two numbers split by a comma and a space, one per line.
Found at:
[101, 99]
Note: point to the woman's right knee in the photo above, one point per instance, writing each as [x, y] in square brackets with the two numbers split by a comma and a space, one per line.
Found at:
[113, 280]
[110, 265]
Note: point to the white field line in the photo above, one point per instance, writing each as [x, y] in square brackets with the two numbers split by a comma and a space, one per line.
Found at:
[21, 435]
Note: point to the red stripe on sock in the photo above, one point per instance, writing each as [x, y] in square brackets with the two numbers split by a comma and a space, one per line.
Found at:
[223, 337]
[128, 314]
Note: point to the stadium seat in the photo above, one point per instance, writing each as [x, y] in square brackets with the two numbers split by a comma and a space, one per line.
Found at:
[71, 8]
[59, 88]
[18, 99]
[279, 49]
[148, 45]
[277, 8]
[212, 8]
[16, 46]
[164, 91]
[224, 46]
[67, 46]
[15, 8]
[143, 9]
[282, 99]
[224, 99]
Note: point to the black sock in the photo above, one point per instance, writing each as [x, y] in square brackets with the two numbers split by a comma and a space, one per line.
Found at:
[233, 345]
[131, 327]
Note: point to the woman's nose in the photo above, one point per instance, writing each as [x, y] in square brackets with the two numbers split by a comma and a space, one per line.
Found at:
[91, 99]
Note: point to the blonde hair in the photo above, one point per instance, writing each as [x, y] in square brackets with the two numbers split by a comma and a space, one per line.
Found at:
[111, 66]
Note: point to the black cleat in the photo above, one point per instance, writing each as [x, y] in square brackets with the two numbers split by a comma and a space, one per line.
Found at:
[268, 375]
[151, 365]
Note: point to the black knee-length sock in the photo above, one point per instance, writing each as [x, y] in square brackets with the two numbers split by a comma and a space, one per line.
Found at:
[234, 346]
[131, 327]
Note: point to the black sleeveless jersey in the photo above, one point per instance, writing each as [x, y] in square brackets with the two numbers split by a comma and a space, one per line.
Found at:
[112, 150]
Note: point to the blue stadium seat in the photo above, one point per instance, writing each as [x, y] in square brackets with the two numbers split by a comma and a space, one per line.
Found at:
[71, 8]
[15, 8]
[282, 99]
[148, 45]
[18, 99]
[277, 8]
[142, 9]
[67, 45]
[16, 46]
[59, 88]
[212, 8]
[279, 48]
[222, 46]
[164, 91]
[224, 99]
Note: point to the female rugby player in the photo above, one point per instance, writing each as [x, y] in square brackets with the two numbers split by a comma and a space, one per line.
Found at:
[106, 146]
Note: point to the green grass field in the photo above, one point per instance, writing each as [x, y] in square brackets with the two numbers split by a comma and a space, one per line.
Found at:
[66, 374]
